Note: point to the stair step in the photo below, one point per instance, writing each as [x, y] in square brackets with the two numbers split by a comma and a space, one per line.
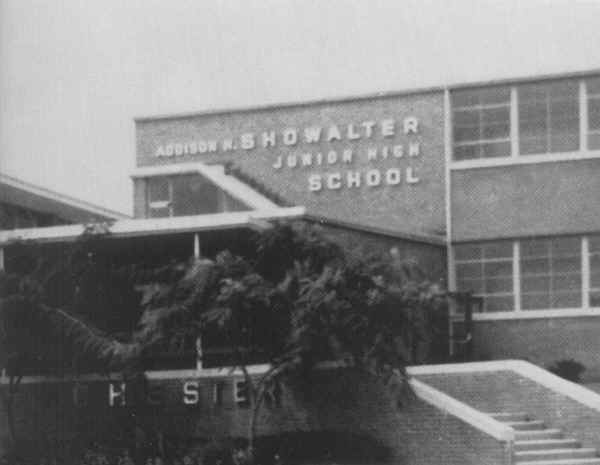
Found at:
[526, 425]
[536, 444]
[509, 416]
[549, 433]
[593, 461]
[555, 454]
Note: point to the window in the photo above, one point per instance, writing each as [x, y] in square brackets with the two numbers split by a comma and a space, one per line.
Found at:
[481, 123]
[551, 273]
[548, 117]
[593, 96]
[486, 269]
[159, 197]
[184, 195]
[594, 251]
[527, 119]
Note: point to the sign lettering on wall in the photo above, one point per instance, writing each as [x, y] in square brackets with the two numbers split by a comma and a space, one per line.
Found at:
[334, 147]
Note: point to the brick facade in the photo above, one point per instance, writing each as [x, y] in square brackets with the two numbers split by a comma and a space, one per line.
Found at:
[542, 341]
[412, 208]
[413, 433]
[526, 200]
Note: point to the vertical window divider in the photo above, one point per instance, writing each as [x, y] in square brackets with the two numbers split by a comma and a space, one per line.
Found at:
[170, 197]
[585, 272]
[517, 275]
[583, 116]
[514, 123]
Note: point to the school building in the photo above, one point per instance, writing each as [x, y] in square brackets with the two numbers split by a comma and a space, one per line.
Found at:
[492, 188]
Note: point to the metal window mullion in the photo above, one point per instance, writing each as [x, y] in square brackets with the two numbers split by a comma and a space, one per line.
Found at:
[514, 122]
[585, 272]
[171, 200]
[548, 121]
[517, 275]
[583, 116]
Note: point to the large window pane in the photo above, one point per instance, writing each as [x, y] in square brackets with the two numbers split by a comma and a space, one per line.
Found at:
[159, 198]
[550, 273]
[593, 96]
[548, 117]
[193, 195]
[481, 123]
[486, 269]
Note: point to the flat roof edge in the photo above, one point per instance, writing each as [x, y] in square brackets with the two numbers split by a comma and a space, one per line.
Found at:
[58, 198]
[151, 226]
[365, 96]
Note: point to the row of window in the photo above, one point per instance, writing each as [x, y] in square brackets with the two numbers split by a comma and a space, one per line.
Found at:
[546, 118]
[188, 194]
[532, 274]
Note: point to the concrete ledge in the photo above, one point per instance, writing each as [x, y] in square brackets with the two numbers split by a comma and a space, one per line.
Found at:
[525, 369]
[533, 314]
[153, 226]
[215, 174]
[462, 411]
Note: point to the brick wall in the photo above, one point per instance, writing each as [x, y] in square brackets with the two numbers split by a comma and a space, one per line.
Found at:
[526, 200]
[410, 207]
[430, 258]
[542, 341]
[414, 433]
[508, 391]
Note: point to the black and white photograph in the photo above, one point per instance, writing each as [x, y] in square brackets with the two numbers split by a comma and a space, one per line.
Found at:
[300, 232]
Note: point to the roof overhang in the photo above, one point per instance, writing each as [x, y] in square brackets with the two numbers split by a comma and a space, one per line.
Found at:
[257, 219]
[29, 196]
[215, 174]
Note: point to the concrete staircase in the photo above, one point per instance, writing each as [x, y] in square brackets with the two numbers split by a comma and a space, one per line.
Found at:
[535, 444]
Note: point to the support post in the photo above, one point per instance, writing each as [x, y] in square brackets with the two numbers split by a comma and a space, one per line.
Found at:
[197, 252]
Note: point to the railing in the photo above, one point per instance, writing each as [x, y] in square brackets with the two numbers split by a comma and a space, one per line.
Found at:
[460, 321]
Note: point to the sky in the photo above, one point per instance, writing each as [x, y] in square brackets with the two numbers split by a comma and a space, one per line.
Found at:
[74, 74]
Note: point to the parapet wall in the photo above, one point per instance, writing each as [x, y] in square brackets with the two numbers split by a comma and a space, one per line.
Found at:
[517, 386]
[414, 432]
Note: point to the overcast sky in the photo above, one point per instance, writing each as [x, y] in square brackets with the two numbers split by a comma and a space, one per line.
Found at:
[75, 73]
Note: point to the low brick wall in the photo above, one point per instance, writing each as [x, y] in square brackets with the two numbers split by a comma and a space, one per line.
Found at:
[414, 433]
[497, 391]
[541, 341]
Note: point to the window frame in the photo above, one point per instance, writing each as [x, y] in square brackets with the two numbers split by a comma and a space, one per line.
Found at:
[515, 157]
[484, 261]
[589, 95]
[479, 109]
[585, 309]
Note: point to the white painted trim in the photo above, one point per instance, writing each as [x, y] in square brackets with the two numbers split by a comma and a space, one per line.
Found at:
[583, 116]
[525, 369]
[462, 411]
[61, 198]
[555, 383]
[585, 272]
[220, 372]
[153, 226]
[450, 368]
[215, 174]
[223, 372]
[514, 123]
[535, 314]
[525, 160]
[517, 276]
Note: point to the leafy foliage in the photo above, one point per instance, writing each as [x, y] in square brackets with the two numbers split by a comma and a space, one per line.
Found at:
[292, 298]
[570, 369]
